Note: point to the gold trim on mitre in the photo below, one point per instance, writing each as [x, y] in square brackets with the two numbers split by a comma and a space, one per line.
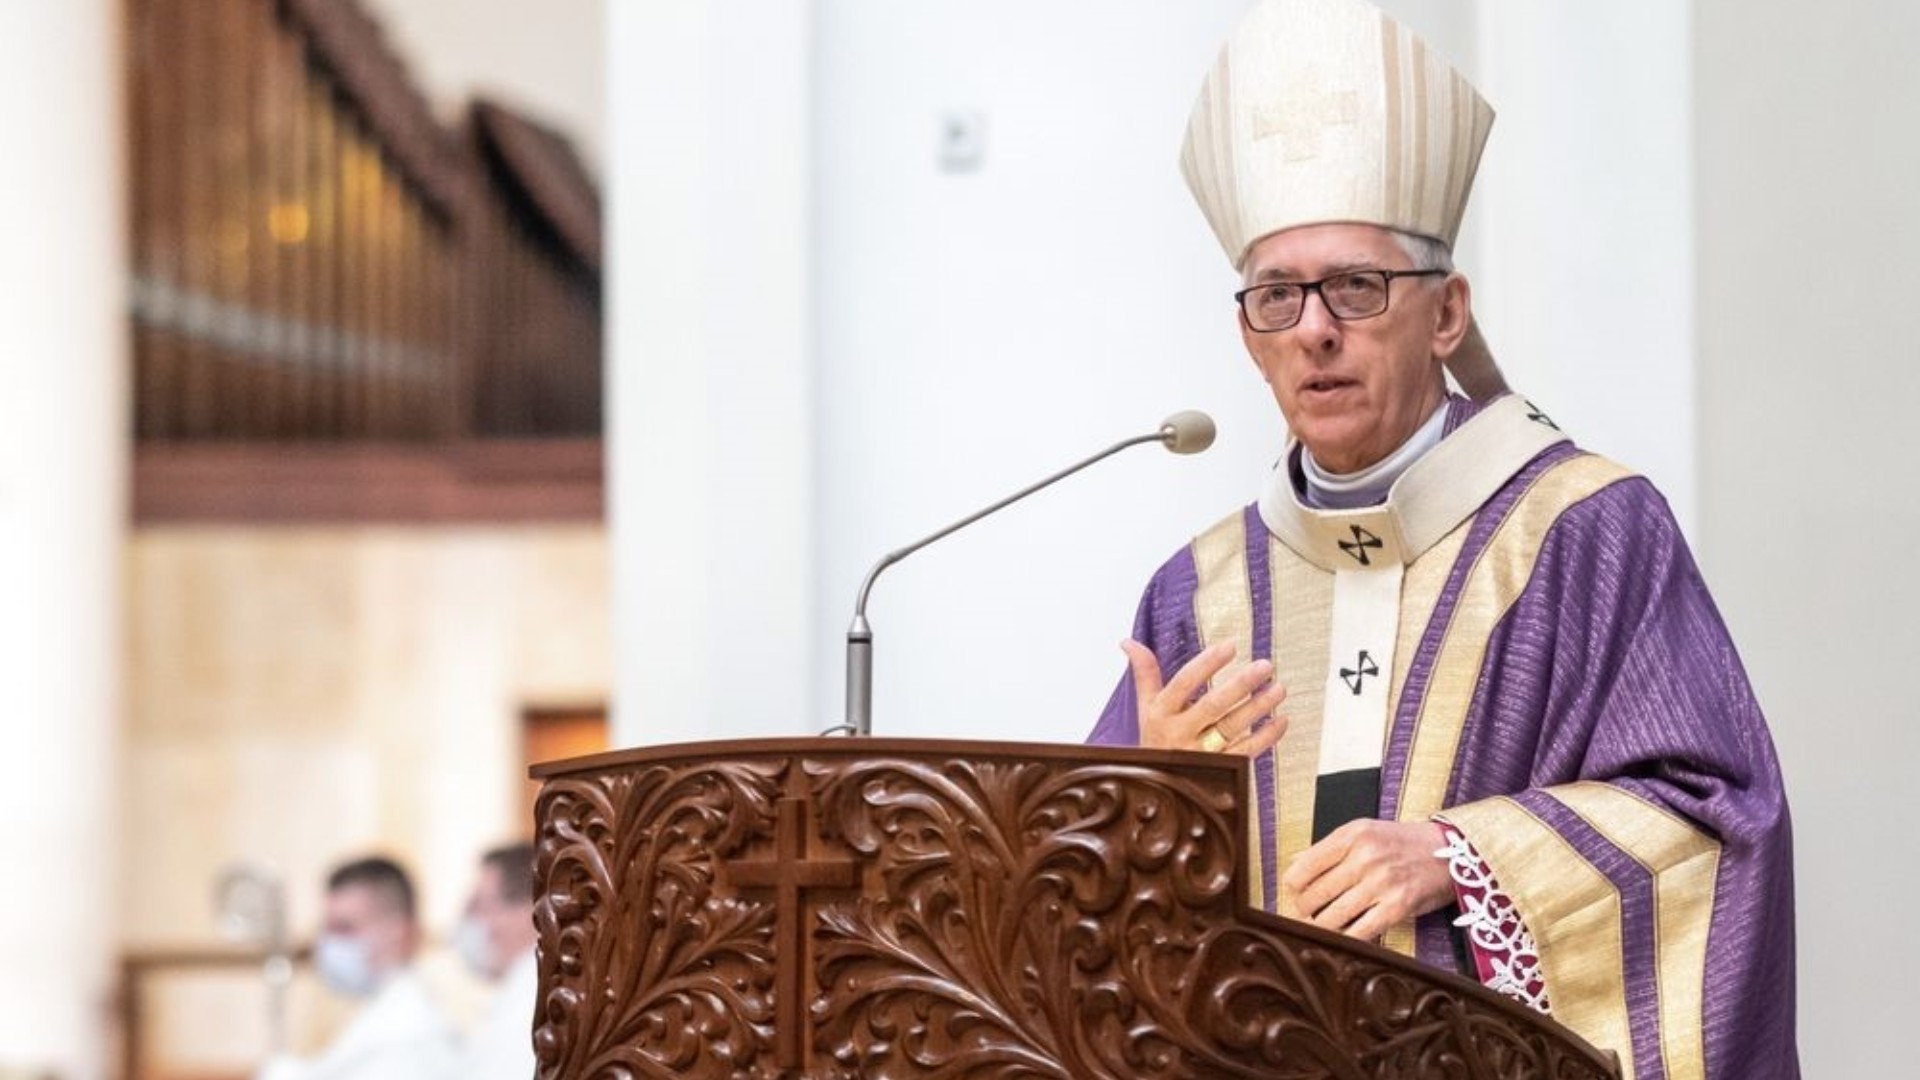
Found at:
[1329, 111]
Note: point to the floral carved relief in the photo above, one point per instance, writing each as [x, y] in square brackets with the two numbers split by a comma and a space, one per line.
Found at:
[644, 970]
[1010, 914]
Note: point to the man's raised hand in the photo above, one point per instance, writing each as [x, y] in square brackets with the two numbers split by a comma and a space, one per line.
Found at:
[1235, 716]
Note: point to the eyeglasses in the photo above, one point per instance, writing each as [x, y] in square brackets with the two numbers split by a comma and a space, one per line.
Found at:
[1354, 294]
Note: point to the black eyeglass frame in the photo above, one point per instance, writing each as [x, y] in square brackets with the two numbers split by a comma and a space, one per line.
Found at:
[1308, 288]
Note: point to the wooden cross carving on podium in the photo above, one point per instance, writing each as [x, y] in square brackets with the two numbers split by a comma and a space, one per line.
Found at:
[789, 873]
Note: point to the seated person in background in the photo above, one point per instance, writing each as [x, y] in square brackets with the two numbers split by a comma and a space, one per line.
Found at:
[496, 940]
[368, 939]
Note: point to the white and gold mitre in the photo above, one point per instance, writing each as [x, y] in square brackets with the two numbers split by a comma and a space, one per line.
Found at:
[1328, 110]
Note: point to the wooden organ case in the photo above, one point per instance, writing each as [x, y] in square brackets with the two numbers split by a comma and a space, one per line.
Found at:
[318, 259]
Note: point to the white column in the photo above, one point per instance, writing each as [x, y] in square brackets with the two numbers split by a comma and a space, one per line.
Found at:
[63, 448]
[710, 390]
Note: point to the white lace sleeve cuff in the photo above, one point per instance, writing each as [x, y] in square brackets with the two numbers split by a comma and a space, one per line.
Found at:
[1504, 954]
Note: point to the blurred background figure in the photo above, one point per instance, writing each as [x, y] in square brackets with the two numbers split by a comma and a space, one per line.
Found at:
[496, 940]
[369, 938]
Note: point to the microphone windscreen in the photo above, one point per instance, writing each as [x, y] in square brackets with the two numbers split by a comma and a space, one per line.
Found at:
[1187, 432]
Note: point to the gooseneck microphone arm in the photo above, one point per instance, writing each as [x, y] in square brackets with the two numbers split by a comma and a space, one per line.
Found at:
[1182, 433]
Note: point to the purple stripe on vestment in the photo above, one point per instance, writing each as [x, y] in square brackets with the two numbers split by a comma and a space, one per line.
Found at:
[1433, 936]
[1433, 940]
[1420, 672]
[1260, 588]
[1614, 665]
[1639, 931]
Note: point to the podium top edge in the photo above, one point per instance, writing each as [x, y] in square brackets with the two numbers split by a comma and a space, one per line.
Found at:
[878, 746]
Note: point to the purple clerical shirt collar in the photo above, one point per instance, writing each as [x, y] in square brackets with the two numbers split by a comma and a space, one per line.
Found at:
[1322, 490]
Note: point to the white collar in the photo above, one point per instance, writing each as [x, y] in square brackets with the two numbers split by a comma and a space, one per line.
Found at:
[1369, 486]
[1439, 490]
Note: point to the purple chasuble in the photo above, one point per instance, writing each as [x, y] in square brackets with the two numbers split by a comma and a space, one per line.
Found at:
[1567, 697]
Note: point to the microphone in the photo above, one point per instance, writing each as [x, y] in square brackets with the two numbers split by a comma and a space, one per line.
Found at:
[1186, 432]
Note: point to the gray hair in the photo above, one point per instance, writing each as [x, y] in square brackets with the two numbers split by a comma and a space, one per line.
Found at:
[1426, 252]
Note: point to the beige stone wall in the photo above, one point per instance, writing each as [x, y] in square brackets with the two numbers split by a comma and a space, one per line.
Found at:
[296, 696]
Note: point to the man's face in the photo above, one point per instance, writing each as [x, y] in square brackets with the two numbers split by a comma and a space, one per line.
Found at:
[509, 925]
[1354, 391]
[363, 913]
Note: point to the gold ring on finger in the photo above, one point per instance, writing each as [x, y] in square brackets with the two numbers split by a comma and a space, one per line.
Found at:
[1212, 741]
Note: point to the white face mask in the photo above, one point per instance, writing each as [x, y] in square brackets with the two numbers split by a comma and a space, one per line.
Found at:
[475, 946]
[345, 964]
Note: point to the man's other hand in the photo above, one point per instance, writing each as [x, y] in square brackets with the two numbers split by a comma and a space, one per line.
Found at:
[1368, 875]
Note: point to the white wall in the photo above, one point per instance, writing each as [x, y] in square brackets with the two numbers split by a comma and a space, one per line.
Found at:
[63, 439]
[1809, 158]
[1583, 256]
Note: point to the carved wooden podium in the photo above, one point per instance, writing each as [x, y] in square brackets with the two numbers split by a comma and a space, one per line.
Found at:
[889, 908]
